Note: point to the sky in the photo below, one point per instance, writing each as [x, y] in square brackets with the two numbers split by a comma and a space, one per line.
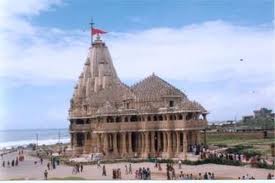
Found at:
[196, 45]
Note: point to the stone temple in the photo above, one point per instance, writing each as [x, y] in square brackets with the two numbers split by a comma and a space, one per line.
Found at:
[152, 118]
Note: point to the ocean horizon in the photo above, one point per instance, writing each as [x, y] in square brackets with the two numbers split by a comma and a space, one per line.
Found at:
[21, 137]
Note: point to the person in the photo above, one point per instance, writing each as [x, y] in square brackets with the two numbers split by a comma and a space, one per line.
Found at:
[12, 163]
[181, 175]
[148, 174]
[137, 174]
[173, 174]
[167, 172]
[104, 171]
[48, 165]
[98, 164]
[77, 168]
[205, 177]
[81, 167]
[126, 169]
[53, 164]
[212, 176]
[46, 175]
[114, 174]
[74, 170]
[16, 162]
[200, 177]
[3, 164]
[41, 160]
[119, 173]
[159, 167]
[130, 168]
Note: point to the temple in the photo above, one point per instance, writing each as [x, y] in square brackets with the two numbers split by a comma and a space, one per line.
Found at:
[152, 118]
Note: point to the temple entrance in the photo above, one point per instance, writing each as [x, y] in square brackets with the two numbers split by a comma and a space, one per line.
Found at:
[79, 139]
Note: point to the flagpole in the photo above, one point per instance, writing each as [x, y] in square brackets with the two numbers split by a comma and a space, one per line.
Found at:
[92, 23]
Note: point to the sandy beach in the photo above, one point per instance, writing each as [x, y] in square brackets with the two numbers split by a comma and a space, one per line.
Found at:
[27, 170]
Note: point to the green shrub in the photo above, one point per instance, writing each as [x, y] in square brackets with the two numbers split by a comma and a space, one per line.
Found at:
[221, 145]
[250, 153]
[238, 149]
[265, 165]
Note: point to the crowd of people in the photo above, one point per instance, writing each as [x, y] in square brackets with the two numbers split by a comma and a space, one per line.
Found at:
[246, 177]
[14, 162]
[143, 174]
[171, 174]
[77, 168]
[270, 176]
[116, 173]
[173, 170]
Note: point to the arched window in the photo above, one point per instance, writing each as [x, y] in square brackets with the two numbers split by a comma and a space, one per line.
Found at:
[155, 118]
[171, 103]
[118, 119]
[160, 118]
[149, 118]
[170, 117]
[110, 119]
[189, 116]
[133, 118]
[88, 135]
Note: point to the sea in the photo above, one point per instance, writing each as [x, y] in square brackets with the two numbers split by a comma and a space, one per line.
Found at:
[15, 138]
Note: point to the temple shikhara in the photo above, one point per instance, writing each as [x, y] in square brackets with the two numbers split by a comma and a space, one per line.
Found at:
[152, 118]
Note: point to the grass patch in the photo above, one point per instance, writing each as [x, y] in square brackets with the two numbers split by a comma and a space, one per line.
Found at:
[260, 145]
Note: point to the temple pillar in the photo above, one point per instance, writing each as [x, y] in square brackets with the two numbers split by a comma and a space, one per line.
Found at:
[123, 148]
[146, 140]
[204, 137]
[198, 137]
[153, 142]
[115, 150]
[178, 142]
[159, 141]
[169, 143]
[184, 143]
[130, 150]
[174, 141]
[194, 137]
[164, 142]
[98, 143]
[139, 150]
[105, 144]
[85, 143]
[141, 142]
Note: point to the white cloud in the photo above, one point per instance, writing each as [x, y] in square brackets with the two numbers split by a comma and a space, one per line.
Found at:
[206, 52]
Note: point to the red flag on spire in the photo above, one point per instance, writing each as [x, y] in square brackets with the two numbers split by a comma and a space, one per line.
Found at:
[97, 31]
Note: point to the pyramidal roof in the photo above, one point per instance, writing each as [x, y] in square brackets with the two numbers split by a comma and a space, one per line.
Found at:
[100, 91]
[153, 87]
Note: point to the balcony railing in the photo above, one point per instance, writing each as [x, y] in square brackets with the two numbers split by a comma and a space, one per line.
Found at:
[149, 125]
[80, 127]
